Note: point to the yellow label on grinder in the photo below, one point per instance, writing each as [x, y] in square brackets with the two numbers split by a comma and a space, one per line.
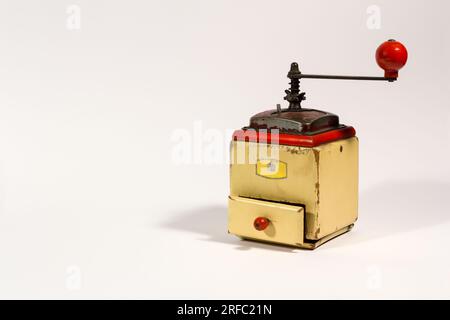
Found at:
[271, 168]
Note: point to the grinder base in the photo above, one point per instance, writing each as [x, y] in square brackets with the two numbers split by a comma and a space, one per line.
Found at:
[308, 245]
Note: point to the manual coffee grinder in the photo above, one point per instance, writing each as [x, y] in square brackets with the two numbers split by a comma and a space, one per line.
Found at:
[294, 171]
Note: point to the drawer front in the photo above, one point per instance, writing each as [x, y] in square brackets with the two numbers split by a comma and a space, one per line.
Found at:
[285, 221]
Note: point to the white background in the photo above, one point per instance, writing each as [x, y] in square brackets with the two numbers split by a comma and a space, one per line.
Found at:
[92, 204]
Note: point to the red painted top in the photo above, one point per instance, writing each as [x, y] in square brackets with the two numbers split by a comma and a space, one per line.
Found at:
[297, 140]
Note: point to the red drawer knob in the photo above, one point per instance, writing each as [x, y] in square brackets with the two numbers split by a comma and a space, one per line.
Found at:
[261, 223]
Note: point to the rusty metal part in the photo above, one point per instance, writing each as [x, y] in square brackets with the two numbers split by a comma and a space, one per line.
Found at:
[302, 121]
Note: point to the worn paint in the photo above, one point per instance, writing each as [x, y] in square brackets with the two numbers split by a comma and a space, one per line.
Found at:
[322, 179]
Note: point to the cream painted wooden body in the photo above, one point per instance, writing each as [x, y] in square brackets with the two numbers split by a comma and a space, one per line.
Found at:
[313, 192]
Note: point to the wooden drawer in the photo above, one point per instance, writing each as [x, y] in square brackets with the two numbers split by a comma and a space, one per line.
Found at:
[286, 221]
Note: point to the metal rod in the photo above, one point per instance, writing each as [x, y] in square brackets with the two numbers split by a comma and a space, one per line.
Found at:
[318, 76]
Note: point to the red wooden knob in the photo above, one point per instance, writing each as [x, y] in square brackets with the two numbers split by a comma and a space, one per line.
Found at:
[261, 223]
[391, 56]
